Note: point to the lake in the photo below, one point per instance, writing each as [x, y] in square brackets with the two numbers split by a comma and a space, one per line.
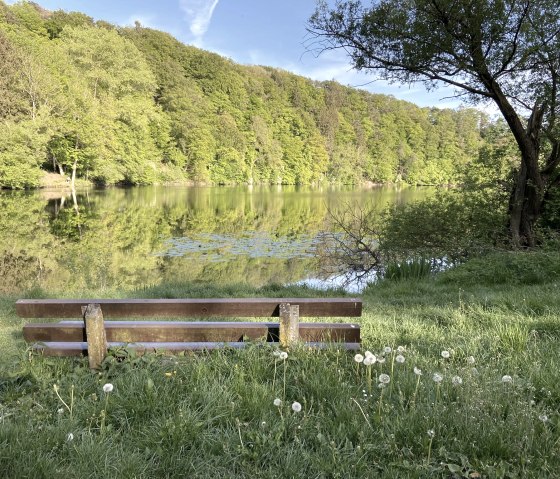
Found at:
[131, 238]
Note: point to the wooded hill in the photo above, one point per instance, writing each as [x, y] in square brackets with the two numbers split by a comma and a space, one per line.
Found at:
[134, 105]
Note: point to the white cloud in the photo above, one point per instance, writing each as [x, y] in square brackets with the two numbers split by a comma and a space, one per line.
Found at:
[198, 14]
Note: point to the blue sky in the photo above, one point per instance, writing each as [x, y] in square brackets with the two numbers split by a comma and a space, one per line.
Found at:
[264, 32]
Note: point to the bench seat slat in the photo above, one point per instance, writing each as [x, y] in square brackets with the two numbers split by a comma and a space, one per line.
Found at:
[224, 307]
[55, 348]
[169, 331]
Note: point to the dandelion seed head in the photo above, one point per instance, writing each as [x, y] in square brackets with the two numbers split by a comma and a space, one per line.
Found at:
[506, 378]
[543, 417]
[431, 433]
[60, 410]
[387, 349]
[296, 407]
[384, 378]
[417, 371]
[381, 385]
[401, 349]
[471, 360]
[277, 402]
[276, 353]
[369, 360]
[445, 354]
[283, 355]
[437, 377]
[107, 388]
[457, 380]
[400, 358]
[358, 358]
[381, 360]
[368, 353]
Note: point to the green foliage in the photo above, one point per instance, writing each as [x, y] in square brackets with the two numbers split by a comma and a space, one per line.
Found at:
[453, 224]
[135, 106]
[409, 269]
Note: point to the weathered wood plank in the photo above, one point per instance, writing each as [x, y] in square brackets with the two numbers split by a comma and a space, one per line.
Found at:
[226, 307]
[289, 324]
[95, 335]
[62, 349]
[183, 331]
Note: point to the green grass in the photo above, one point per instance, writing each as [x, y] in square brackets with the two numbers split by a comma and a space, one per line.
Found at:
[212, 415]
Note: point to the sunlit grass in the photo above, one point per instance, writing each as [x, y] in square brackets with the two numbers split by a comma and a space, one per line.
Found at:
[214, 415]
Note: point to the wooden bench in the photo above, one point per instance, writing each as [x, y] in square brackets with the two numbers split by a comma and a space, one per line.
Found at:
[92, 335]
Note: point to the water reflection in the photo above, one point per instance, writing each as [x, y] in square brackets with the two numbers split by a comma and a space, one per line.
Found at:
[138, 237]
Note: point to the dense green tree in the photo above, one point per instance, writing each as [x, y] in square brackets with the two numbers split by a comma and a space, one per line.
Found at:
[505, 52]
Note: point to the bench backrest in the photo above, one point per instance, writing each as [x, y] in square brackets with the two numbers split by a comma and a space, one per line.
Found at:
[190, 308]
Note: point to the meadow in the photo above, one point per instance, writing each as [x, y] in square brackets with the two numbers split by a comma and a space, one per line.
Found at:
[459, 376]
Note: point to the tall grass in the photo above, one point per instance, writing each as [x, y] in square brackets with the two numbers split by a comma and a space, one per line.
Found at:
[212, 415]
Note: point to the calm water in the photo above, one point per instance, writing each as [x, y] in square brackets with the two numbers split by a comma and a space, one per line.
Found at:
[139, 237]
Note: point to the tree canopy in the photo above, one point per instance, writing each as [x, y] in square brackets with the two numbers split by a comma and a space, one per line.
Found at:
[501, 51]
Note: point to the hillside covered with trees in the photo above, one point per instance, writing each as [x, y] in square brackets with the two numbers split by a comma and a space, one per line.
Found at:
[116, 105]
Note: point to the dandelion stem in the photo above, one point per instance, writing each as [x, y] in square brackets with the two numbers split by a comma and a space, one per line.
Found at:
[62, 400]
[392, 370]
[239, 432]
[285, 366]
[363, 413]
[274, 377]
[430, 450]
[380, 403]
[416, 390]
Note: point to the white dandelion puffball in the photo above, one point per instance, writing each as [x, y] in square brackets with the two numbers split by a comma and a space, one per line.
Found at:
[384, 378]
[369, 360]
[69, 437]
[543, 417]
[417, 371]
[60, 410]
[470, 360]
[276, 353]
[277, 402]
[107, 388]
[507, 378]
[401, 349]
[296, 407]
[437, 377]
[399, 359]
[368, 353]
[457, 380]
[445, 354]
[358, 358]
[381, 385]
[431, 433]
[380, 359]
[283, 355]
[387, 349]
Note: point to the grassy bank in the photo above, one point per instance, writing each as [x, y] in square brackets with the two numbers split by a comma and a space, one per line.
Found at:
[494, 414]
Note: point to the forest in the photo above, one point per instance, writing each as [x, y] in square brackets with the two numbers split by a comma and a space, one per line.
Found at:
[109, 105]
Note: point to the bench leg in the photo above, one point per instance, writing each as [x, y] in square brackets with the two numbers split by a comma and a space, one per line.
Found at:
[95, 334]
[289, 324]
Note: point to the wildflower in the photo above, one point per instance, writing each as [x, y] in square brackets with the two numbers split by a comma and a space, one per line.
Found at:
[445, 354]
[369, 360]
[457, 380]
[387, 349]
[543, 417]
[107, 388]
[60, 410]
[296, 407]
[277, 402]
[507, 378]
[168, 374]
[276, 353]
[380, 359]
[69, 437]
[437, 377]
[368, 353]
[400, 358]
[417, 371]
[381, 385]
[384, 378]
[358, 358]
[283, 355]
[431, 433]
[470, 360]
[401, 349]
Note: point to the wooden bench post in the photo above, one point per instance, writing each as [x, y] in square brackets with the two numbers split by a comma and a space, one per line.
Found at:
[289, 324]
[95, 334]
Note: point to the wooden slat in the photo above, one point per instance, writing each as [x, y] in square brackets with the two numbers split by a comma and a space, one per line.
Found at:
[182, 331]
[61, 349]
[244, 307]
